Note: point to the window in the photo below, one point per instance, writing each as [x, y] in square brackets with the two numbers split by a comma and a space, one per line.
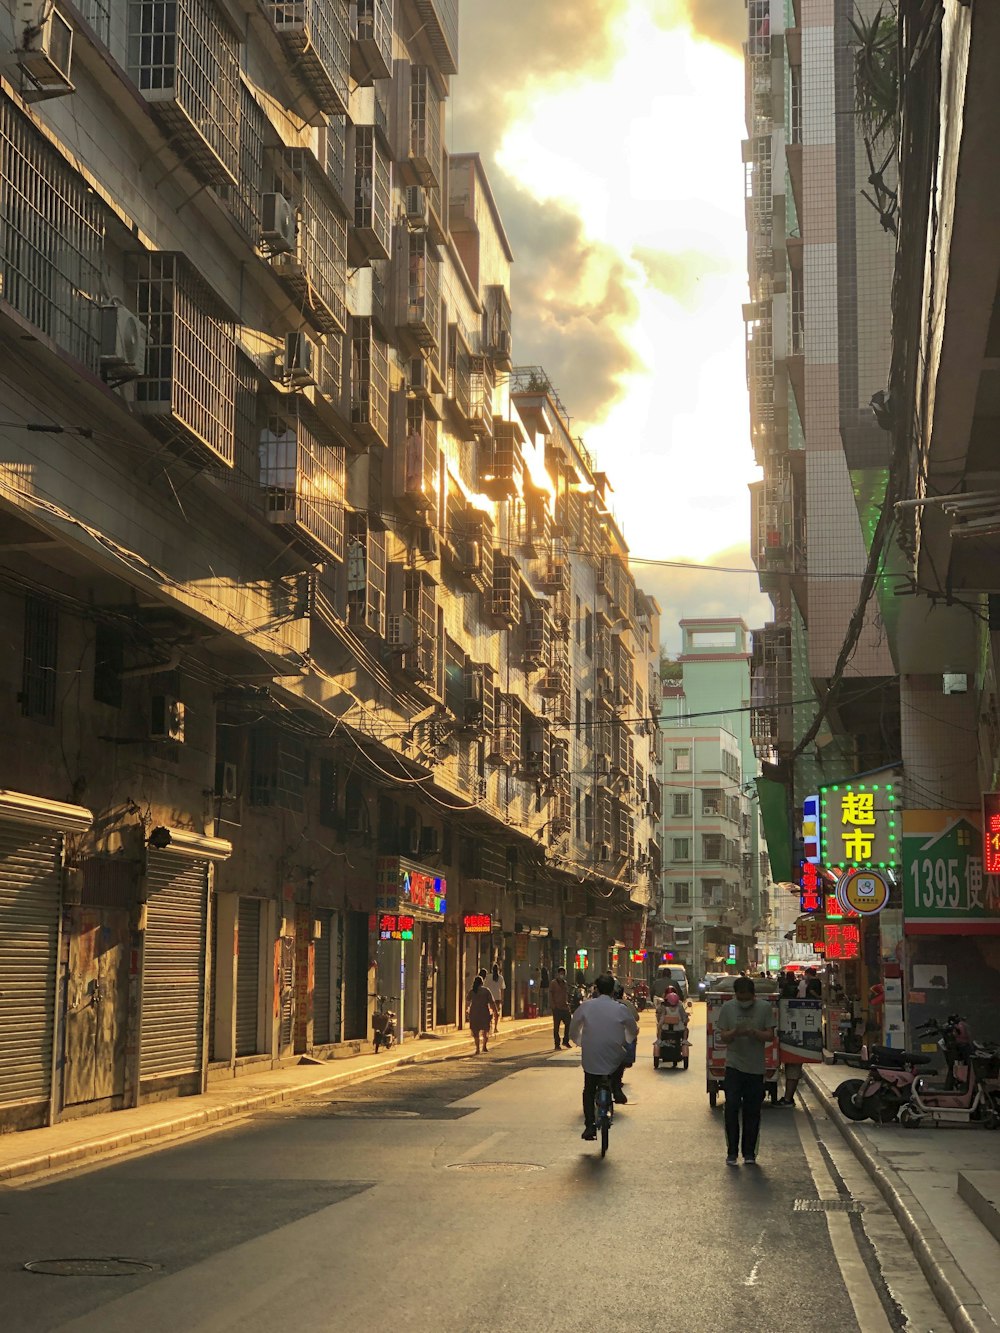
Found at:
[38, 670]
[682, 804]
[712, 801]
[588, 634]
[109, 654]
[579, 814]
[682, 849]
[579, 621]
[711, 892]
[588, 818]
[681, 761]
[682, 895]
[713, 847]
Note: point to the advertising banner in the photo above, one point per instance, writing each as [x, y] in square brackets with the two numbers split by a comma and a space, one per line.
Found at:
[945, 890]
[800, 1031]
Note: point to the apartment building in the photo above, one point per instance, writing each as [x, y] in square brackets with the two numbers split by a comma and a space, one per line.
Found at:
[327, 677]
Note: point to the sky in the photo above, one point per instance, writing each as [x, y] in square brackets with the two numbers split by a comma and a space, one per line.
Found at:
[610, 131]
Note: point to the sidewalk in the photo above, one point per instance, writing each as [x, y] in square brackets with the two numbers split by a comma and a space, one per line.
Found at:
[943, 1186]
[72, 1142]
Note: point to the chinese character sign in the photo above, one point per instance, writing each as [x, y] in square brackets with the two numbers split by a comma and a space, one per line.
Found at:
[842, 941]
[859, 825]
[811, 888]
[991, 832]
[947, 888]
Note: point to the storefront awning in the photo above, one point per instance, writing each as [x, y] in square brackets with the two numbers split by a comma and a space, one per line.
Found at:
[22, 808]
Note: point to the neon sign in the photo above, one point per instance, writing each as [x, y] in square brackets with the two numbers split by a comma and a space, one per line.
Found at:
[991, 832]
[392, 926]
[477, 923]
[811, 886]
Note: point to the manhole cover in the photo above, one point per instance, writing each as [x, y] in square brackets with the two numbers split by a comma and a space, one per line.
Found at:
[827, 1206]
[105, 1267]
[495, 1166]
[373, 1113]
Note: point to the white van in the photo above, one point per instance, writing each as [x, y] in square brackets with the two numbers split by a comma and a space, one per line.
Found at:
[667, 973]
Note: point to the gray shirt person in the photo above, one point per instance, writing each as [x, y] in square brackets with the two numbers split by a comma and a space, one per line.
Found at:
[745, 1052]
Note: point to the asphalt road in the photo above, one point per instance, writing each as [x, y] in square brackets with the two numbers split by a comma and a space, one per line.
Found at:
[444, 1198]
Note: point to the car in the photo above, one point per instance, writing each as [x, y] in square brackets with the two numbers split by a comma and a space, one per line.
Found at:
[667, 973]
[710, 981]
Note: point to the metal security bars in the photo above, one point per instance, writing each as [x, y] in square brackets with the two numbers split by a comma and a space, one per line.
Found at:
[369, 384]
[421, 296]
[416, 460]
[187, 394]
[425, 127]
[316, 273]
[371, 53]
[244, 197]
[51, 239]
[303, 481]
[440, 22]
[760, 375]
[98, 15]
[372, 194]
[316, 39]
[366, 575]
[185, 60]
[41, 643]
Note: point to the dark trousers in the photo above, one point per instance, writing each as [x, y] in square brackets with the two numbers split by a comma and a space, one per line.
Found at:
[744, 1094]
[590, 1082]
[560, 1017]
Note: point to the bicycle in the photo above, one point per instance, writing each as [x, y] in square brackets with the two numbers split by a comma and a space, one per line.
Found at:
[604, 1105]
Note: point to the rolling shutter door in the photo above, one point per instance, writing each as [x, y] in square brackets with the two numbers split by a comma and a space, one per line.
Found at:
[321, 980]
[30, 880]
[173, 966]
[248, 976]
[213, 973]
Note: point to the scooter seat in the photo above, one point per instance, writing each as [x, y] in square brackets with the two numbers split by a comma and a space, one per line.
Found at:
[897, 1059]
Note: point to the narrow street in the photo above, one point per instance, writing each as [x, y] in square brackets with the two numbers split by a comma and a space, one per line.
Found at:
[458, 1195]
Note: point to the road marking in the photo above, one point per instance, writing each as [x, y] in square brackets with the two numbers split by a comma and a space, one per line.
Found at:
[486, 1145]
[753, 1277]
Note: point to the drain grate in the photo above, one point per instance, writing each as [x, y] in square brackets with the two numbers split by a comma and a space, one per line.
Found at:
[107, 1266]
[827, 1206]
[495, 1166]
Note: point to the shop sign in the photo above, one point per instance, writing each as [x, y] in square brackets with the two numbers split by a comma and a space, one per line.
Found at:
[808, 930]
[404, 886]
[810, 830]
[810, 888]
[946, 888]
[864, 890]
[858, 825]
[991, 832]
[477, 923]
[835, 908]
[637, 955]
[392, 926]
[842, 942]
[800, 1030]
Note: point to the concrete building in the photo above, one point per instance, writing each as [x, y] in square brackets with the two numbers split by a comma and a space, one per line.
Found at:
[327, 678]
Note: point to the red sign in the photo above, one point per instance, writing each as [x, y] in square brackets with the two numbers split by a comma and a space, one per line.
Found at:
[811, 886]
[991, 832]
[842, 942]
[394, 927]
[477, 924]
[834, 909]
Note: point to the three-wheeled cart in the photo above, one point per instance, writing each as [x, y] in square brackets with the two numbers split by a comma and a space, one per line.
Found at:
[715, 1047]
[670, 1045]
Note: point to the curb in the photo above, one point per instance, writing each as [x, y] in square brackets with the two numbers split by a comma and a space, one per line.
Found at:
[211, 1115]
[966, 1310]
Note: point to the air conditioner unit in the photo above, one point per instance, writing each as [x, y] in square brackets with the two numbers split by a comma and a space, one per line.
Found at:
[46, 52]
[470, 556]
[708, 809]
[278, 224]
[123, 343]
[429, 543]
[227, 781]
[301, 360]
[166, 719]
[503, 343]
[415, 204]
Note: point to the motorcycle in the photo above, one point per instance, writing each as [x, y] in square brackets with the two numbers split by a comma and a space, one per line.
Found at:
[886, 1088]
[383, 1025]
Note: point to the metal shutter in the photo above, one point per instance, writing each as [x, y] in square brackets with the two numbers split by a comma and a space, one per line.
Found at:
[213, 975]
[321, 980]
[247, 976]
[173, 966]
[30, 880]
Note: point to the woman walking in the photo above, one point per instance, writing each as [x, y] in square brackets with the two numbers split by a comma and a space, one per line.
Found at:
[482, 1008]
[496, 986]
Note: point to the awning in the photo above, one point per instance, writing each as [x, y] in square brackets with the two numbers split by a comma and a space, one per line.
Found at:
[23, 808]
[185, 842]
[773, 797]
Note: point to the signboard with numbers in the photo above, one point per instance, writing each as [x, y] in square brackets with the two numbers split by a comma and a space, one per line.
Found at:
[945, 888]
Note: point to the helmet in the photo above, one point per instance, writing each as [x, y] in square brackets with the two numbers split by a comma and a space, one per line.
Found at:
[671, 999]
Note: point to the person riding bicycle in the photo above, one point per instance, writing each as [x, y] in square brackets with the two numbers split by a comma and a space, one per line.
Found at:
[602, 1028]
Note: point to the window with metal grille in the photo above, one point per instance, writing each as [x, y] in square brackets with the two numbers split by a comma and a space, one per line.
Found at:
[244, 197]
[372, 186]
[109, 660]
[184, 58]
[52, 230]
[713, 847]
[369, 383]
[425, 126]
[366, 575]
[316, 37]
[316, 273]
[304, 481]
[38, 668]
[681, 761]
[682, 804]
[277, 769]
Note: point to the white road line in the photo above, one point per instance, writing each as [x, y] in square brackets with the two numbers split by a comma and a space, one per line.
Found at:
[478, 1149]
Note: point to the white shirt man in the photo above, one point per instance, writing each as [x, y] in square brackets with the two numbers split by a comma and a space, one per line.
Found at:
[601, 1027]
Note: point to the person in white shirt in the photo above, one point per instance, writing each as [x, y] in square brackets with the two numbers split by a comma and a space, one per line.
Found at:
[601, 1027]
[496, 986]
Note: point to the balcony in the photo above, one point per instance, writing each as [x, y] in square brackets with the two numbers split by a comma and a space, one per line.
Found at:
[760, 377]
[497, 327]
[501, 469]
[473, 550]
[371, 43]
[184, 59]
[420, 609]
[425, 128]
[420, 311]
[440, 22]
[537, 634]
[481, 395]
[372, 195]
[365, 574]
[771, 691]
[188, 393]
[458, 373]
[369, 384]
[304, 483]
[416, 461]
[505, 600]
[315, 38]
[315, 272]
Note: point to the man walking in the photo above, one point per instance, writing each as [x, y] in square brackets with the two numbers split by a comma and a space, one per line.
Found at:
[603, 1028]
[746, 1025]
[559, 999]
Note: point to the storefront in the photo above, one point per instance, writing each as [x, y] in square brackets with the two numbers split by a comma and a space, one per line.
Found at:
[31, 874]
[409, 937]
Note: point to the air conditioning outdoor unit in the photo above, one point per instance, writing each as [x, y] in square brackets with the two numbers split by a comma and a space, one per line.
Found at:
[166, 719]
[429, 543]
[415, 204]
[227, 781]
[278, 224]
[301, 360]
[123, 343]
[46, 52]
[503, 343]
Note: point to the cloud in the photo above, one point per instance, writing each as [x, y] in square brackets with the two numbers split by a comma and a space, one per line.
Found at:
[720, 21]
[691, 593]
[678, 274]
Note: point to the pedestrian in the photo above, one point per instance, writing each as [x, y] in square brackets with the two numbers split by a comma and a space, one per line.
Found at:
[603, 1028]
[482, 1008]
[793, 1071]
[559, 1000]
[746, 1025]
[543, 989]
[496, 986]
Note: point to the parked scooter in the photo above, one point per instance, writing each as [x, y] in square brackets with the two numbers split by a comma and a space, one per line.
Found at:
[886, 1088]
[383, 1024]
